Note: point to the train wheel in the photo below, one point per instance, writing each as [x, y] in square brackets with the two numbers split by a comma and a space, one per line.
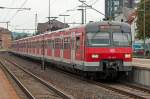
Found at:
[110, 74]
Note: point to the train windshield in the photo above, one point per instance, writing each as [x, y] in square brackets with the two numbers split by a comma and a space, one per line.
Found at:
[98, 39]
[121, 39]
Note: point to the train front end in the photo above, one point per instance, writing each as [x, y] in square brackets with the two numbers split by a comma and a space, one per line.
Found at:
[108, 50]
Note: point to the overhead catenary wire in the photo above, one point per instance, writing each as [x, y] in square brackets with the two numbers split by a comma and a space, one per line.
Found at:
[89, 1]
[7, 13]
[93, 8]
[53, 2]
[94, 2]
[75, 8]
[72, 9]
[22, 5]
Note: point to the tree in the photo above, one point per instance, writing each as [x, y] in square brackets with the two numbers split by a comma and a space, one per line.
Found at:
[140, 19]
[21, 36]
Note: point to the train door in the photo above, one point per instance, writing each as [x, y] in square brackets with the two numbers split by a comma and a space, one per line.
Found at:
[37, 52]
[34, 46]
[42, 46]
[53, 45]
[73, 47]
[79, 47]
[45, 44]
[67, 48]
[62, 48]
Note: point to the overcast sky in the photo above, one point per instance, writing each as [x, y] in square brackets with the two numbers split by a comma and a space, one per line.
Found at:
[26, 19]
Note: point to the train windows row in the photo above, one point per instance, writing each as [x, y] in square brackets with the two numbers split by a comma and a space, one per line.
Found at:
[58, 43]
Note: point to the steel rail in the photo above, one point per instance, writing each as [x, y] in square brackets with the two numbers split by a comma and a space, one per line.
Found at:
[51, 87]
[145, 89]
[24, 89]
[106, 86]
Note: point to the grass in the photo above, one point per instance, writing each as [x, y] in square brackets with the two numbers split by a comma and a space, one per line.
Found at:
[3, 49]
[141, 56]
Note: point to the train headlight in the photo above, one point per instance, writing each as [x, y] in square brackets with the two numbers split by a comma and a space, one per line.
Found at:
[127, 55]
[95, 56]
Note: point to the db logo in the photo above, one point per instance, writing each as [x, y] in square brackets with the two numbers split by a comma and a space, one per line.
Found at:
[112, 50]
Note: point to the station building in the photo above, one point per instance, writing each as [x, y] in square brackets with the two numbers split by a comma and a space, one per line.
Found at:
[53, 25]
[5, 38]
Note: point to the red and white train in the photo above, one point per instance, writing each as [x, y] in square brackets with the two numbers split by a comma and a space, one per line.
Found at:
[101, 49]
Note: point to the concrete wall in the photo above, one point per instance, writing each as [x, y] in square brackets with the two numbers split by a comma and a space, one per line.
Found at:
[141, 76]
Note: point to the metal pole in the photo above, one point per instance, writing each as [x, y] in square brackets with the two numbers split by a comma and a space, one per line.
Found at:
[43, 53]
[144, 27]
[7, 24]
[82, 12]
[85, 14]
[35, 23]
[82, 17]
[64, 15]
[49, 15]
[49, 11]
[64, 22]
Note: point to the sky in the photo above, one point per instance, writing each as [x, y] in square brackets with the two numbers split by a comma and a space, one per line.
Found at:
[25, 19]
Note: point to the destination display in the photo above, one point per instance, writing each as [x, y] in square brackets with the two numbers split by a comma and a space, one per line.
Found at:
[110, 28]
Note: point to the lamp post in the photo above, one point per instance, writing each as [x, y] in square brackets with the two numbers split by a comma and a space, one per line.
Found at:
[64, 15]
[82, 17]
[84, 12]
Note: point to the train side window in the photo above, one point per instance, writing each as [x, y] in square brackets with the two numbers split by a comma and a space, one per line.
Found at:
[57, 43]
[46, 43]
[36, 44]
[49, 45]
[53, 41]
[72, 42]
[65, 43]
[77, 42]
[69, 43]
[62, 43]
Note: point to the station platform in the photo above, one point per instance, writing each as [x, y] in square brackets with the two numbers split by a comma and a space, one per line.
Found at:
[140, 62]
[6, 89]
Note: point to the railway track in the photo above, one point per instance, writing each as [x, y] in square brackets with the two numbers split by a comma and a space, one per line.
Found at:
[129, 90]
[125, 89]
[23, 88]
[33, 86]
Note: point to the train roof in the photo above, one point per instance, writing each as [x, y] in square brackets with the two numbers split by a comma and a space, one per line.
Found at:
[107, 22]
[95, 26]
[87, 26]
